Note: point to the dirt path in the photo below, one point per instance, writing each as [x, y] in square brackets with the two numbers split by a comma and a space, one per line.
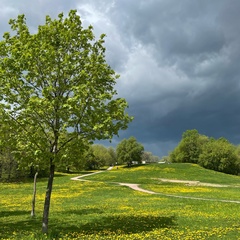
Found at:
[85, 175]
[137, 188]
[89, 174]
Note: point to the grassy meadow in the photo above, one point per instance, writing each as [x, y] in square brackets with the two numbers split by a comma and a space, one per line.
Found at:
[102, 209]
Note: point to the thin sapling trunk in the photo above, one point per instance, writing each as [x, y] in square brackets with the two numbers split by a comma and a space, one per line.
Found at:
[34, 195]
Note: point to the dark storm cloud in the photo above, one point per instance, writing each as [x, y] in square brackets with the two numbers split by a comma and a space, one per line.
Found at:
[193, 78]
[179, 61]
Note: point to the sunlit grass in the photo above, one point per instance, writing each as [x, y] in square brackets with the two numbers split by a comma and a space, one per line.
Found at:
[104, 210]
[146, 174]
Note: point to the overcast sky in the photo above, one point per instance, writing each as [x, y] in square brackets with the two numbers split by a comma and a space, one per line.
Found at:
[179, 61]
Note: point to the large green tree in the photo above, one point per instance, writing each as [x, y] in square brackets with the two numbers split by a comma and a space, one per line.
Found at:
[129, 150]
[56, 86]
[189, 148]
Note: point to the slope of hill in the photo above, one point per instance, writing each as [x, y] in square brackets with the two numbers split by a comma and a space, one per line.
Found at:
[180, 171]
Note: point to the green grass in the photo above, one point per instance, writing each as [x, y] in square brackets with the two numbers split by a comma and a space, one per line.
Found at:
[145, 174]
[102, 209]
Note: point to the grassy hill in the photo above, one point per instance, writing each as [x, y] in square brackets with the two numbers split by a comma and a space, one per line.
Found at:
[102, 209]
[184, 171]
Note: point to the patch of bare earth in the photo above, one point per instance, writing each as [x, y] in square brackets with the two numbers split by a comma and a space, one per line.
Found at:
[193, 183]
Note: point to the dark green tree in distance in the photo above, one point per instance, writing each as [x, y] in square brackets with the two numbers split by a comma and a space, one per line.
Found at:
[91, 162]
[113, 155]
[189, 148]
[101, 154]
[129, 150]
[220, 155]
[57, 88]
[238, 160]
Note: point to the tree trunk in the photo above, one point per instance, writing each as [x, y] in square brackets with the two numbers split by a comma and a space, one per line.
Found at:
[47, 199]
[34, 195]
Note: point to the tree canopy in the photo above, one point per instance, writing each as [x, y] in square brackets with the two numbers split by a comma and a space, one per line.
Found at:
[189, 148]
[216, 154]
[220, 155]
[129, 150]
[56, 88]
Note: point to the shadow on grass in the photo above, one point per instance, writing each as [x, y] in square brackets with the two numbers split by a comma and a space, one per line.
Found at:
[125, 224]
[27, 224]
[134, 166]
[13, 213]
[111, 224]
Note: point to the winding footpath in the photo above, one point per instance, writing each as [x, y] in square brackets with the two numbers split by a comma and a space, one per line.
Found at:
[136, 187]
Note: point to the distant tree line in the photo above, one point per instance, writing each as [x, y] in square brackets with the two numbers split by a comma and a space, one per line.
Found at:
[128, 152]
[215, 154]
